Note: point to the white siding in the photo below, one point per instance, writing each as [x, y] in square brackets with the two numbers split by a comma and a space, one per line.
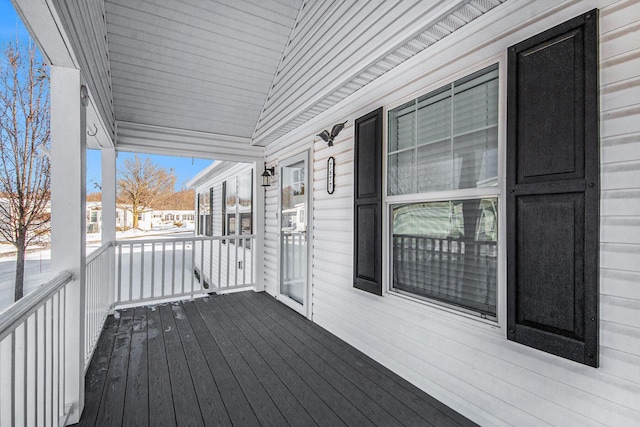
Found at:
[466, 363]
[224, 271]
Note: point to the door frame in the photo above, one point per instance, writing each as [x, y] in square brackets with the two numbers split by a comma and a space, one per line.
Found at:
[305, 308]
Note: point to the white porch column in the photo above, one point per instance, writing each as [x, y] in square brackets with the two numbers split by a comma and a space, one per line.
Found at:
[68, 220]
[108, 231]
[258, 221]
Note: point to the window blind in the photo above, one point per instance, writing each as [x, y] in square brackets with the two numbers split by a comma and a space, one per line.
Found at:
[447, 139]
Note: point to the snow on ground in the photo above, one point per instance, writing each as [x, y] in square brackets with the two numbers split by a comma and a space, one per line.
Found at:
[38, 262]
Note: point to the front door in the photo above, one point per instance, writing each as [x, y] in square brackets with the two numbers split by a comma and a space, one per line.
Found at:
[294, 196]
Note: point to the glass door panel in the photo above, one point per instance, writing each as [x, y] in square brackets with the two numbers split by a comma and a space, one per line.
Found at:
[293, 232]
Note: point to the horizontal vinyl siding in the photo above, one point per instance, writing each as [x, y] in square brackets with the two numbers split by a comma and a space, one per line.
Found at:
[469, 364]
[224, 271]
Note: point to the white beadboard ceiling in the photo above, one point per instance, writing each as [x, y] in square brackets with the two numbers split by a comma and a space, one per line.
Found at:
[241, 73]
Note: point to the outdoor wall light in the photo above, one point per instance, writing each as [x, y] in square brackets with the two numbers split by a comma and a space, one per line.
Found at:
[267, 174]
[328, 137]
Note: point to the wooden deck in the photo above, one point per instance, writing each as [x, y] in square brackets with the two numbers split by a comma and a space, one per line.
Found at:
[245, 360]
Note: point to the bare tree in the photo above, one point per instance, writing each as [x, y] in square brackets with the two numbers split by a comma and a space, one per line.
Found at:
[143, 184]
[25, 175]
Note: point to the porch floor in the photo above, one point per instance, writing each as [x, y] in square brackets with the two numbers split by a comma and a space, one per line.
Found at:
[242, 359]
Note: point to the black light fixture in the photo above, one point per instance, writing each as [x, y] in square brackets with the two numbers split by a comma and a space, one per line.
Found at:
[267, 174]
[328, 137]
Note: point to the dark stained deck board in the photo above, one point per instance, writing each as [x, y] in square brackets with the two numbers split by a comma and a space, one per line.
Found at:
[259, 398]
[411, 396]
[372, 409]
[97, 373]
[328, 392]
[211, 405]
[242, 359]
[161, 410]
[235, 401]
[283, 398]
[112, 404]
[284, 368]
[185, 401]
[136, 402]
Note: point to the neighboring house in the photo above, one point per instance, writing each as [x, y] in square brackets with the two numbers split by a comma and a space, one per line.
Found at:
[477, 229]
[147, 219]
[124, 218]
[94, 217]
[170, 217]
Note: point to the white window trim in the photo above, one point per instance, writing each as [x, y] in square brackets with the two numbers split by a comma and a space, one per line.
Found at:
[453, 314]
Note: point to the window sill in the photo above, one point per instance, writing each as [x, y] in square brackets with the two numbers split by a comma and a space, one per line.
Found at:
[448, 315]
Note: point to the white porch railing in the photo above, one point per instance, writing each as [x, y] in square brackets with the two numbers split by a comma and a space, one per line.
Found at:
[153, 270]
[32, 357]
[98, 296]
[33, 332]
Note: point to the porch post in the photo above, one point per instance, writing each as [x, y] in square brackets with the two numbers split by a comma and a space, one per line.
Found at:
[258, 229]
[68, 220]
[109, 212]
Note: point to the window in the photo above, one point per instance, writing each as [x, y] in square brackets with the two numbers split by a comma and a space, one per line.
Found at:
[204, 213]
[445, 248]
[237, 209]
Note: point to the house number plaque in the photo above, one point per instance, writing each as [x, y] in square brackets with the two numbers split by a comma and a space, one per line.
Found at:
[331, 175]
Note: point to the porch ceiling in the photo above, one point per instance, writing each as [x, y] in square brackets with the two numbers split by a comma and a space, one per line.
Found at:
[189, 64]
[233, 75]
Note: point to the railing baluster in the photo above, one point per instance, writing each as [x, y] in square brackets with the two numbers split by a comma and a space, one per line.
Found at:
[163, 267]
[219, 264]
[25, 380]
[193, 264]
[119, 296]
[131, 272]
[235, 263]
[244, 261]
[153, 268]
[228, 261]
[210, 262]
[184, 255]
[173, 269]
[13, 378]
[141, 271]
[193, 267]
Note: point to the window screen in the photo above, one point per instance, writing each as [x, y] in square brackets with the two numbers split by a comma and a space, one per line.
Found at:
[447, 251]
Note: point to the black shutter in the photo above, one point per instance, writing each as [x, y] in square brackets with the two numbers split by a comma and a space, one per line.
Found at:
[367, 215]
[553, 191]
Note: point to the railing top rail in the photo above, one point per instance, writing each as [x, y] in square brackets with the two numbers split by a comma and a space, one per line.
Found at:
[21, 310]
[184, 239]
[95, 254]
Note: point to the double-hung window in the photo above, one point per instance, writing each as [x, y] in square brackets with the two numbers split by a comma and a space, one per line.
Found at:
[443, 195]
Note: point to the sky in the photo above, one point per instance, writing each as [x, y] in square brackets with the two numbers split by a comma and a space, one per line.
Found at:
[184, 168]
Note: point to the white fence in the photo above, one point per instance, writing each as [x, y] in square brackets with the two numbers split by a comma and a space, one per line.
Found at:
[32, 357]
[153, 270]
